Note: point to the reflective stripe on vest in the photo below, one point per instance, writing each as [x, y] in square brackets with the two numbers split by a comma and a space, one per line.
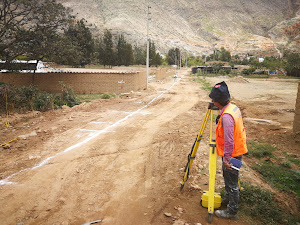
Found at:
[240, 146]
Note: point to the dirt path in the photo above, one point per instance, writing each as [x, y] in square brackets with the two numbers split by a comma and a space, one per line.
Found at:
[118, 160]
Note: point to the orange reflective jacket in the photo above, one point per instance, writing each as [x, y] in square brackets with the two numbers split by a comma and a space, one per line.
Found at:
[240, 146]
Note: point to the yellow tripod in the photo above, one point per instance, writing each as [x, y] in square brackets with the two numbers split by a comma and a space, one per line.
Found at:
[212, 162]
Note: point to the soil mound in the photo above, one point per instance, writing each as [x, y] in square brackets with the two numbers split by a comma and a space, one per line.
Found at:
[238, 79]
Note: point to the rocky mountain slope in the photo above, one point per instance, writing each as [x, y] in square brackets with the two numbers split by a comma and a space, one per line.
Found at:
[198, 26]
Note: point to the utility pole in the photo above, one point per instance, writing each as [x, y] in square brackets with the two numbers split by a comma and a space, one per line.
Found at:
[147, 60]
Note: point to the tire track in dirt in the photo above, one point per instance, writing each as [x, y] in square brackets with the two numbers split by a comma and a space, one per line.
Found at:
[91, 137]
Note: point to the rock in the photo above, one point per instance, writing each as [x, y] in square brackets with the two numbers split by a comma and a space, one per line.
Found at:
[22, 137]
[25, 136]
[180, 210]
[179, 222]
[6, 146]
[32, 134]
[34, 157]
[168, 214]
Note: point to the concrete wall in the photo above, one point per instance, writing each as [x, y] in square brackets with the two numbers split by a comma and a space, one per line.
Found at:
[296, 127]
[81, 83]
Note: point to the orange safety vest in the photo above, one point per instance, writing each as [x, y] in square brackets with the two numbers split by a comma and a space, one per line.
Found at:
[240, 146]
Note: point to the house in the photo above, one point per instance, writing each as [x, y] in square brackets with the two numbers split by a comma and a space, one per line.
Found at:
[23, 66]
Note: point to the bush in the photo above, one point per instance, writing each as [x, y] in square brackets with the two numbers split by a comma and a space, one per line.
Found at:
[248, 71]
[280, 176]
[43, 102]
[286, 164]
[260, 205]
[259, 149]
[67, 96]
[30, 98]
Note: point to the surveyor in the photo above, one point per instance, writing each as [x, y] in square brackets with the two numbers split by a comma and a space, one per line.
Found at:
[231, 142]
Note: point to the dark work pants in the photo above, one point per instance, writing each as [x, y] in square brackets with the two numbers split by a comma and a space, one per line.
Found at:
[232, 192]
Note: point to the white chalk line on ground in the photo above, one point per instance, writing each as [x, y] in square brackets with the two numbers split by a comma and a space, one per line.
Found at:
[91, 137]
[95, 122]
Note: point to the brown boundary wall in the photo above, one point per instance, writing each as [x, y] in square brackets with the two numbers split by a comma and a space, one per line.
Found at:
[81, 83]
[296, 127]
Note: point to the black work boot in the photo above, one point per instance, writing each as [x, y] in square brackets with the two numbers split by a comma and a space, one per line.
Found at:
[225, 214]
[225, 201]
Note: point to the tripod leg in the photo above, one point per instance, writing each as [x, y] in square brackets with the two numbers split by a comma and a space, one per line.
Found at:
[193, 152]
[212, 172]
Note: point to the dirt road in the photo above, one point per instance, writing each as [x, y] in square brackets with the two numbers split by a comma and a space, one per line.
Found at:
[119, 160]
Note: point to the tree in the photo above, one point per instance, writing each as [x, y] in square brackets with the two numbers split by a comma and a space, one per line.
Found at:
[224, 55]
[194, 61]
[99, 48]
[121, 50]
[139, 56]
[217, 67]
[173, 56]
[158, 60]
[128, 56]
[154, 58]
[31, 28]
[108, 51]
[152, 53]
[292, 65]
[82, 42]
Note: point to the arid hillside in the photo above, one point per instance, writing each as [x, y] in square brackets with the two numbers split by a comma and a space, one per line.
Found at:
[198, 26]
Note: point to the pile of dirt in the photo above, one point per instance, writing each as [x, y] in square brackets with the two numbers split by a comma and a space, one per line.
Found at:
[238, 79]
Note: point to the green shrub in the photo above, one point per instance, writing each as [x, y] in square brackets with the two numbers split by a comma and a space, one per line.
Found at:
[29, 98]
[205, 84]
[286, 164]
[67, 96]
[258, 204]
[248, 71]
[279, 176]
[106, 96]
[294, 160]
[261, 207]
[259, 149]
[43, 102]
[89, 97]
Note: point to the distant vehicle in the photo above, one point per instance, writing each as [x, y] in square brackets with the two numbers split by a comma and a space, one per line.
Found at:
[22, 66]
